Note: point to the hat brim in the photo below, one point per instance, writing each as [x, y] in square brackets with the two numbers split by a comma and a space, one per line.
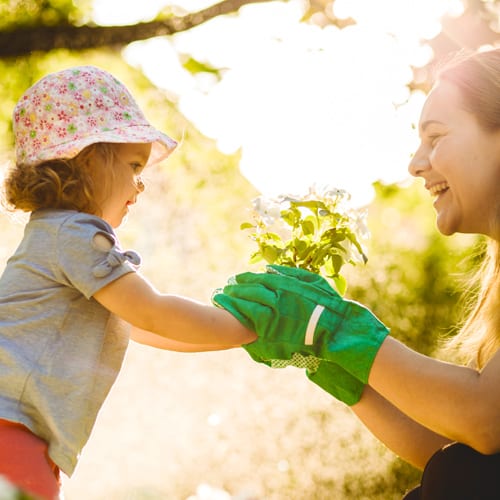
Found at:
[162, 144]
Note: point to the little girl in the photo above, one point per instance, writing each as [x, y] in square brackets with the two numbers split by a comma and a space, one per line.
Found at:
[69, 293]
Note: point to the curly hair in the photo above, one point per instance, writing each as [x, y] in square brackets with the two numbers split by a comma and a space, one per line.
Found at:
[61, 184]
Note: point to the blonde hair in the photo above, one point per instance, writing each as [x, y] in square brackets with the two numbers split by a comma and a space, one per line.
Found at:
[478, 339]
[477, 76]
[71, 184]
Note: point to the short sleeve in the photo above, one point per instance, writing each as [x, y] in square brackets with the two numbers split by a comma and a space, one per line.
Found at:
[89, 255]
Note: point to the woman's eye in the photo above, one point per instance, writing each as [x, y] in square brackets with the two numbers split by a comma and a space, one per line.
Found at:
[433, 139]
[136, 167]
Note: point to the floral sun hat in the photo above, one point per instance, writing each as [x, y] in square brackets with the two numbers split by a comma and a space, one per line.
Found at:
[67, 111]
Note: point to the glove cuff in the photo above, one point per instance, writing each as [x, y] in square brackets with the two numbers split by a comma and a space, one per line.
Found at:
[351, 341]
[337, 382]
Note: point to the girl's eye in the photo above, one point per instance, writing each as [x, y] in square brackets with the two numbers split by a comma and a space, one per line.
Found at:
[136, 167]
[139, 183]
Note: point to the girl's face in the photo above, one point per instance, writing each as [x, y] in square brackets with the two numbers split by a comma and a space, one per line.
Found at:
[129, 162]
[460, 163]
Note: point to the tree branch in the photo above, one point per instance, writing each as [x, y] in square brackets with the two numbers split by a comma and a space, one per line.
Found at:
[23, 41]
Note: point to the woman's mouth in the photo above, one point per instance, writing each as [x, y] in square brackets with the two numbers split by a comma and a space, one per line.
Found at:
[438, 189]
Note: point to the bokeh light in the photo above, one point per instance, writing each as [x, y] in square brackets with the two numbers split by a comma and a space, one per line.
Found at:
[305, 104]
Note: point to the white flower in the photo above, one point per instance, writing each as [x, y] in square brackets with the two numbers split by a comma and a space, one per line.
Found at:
[328, 191]
[268, 208]
[359, 223]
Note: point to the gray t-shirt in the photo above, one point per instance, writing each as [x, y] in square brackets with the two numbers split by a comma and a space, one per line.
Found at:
[60, 350]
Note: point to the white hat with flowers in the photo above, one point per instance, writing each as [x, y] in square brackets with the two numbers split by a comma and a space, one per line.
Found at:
[67, 111]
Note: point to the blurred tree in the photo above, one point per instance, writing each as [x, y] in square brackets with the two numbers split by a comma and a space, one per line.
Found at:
[478, 25]
[15, 13]
[38, 36]
[46, 25]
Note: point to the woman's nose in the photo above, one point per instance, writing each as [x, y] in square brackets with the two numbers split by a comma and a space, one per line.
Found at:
[419, 163]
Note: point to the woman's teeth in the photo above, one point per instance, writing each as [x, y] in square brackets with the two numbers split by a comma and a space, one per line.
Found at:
[437, 189]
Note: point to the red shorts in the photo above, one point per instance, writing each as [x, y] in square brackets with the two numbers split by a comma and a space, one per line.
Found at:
[24, 461]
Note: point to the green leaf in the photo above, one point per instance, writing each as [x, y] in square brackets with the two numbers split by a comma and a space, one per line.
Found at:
[270, 254]
[311, 204]
[336, 262]
[355, 242]
[308, 227]
[333, 235]
[291, 216]
[255, 257]
[272, 237]
[340, 284]
[300, 247]
[319, 257]
[194, 67]
[247, 225]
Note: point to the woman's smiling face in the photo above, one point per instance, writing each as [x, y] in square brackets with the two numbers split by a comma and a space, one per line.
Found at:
[460, 163]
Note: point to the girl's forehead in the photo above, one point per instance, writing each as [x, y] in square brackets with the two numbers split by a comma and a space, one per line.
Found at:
[140, 151]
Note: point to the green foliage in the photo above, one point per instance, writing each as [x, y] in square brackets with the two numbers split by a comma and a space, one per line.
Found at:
[318, 232]
[16, 77]
[194, 66]
[25, 13]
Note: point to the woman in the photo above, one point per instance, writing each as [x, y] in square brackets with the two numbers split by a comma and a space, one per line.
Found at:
[440, 417]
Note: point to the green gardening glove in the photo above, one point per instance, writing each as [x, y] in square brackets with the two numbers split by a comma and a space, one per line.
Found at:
[327, 375]
[254, 305]
[280, 355]
[337, 382]
[295, 311]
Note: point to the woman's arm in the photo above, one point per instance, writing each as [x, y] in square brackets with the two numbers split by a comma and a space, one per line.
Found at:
[180, 319]
[453, 401]
[408, 439]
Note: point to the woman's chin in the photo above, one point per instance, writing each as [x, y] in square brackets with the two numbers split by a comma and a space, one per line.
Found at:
[444, 226]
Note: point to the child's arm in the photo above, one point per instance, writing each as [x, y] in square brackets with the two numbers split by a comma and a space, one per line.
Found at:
[180, 319]
[155, 340]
